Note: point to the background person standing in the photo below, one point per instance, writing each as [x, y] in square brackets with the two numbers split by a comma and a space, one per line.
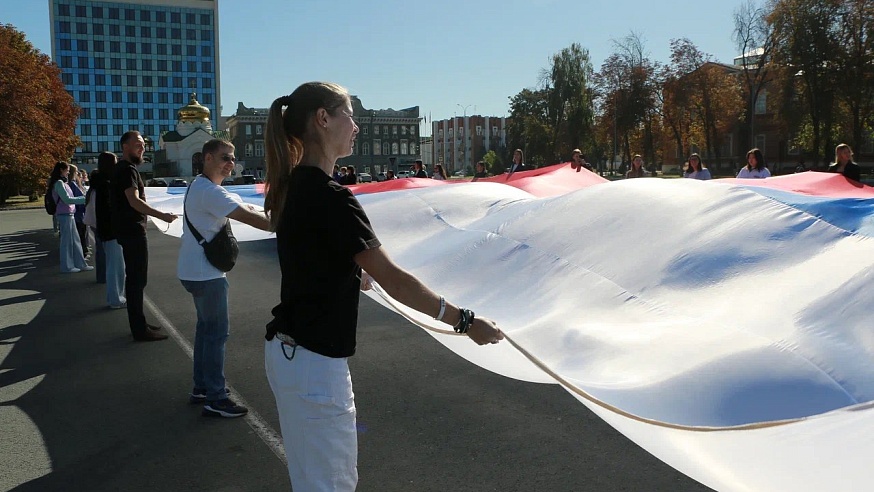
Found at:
[208, 205]
[129, 224]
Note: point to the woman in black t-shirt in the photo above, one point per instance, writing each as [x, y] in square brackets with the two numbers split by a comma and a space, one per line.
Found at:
[324, 240]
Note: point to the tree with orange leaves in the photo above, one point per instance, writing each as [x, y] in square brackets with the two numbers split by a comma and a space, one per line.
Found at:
[37, 116]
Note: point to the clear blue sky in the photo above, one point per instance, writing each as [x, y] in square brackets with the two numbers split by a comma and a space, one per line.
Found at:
[435, 54]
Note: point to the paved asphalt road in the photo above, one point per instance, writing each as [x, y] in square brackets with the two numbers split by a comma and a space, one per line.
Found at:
[84, 408]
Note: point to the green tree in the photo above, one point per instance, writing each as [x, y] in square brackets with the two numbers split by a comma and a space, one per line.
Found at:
[568, 83]
[529, 128]
[37, 115]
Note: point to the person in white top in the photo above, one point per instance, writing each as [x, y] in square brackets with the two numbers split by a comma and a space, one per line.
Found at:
[696, 169]
[208, 206]
[755, 167]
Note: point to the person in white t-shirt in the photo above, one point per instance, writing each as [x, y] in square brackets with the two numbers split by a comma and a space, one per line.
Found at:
[208, 206]
[756, 167]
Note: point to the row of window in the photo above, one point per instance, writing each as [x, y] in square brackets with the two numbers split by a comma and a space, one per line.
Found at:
[103, 113]
[136, 97]
[137, 81]
[97, 29]
[132, 48]
[386, 148]
[99, 12]
[385, 129]
[479, 131]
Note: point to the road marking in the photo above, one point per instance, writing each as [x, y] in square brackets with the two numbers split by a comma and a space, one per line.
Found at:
[271, 438]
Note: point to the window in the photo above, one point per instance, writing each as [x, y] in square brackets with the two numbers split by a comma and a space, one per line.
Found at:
[176, 50]
[101, 129]
[494, 131]
[191, 50]
[132, 97]
[364, 130]
[117, 113]
[86, 130]
[177, 66]
[394, 148]
[727, 148]
[248, 129]
[259, 149]
[164, 114]
[162, 49]
[163, 98]
[162, 65]
[189, 19]
[178, 98]
[148, 97]
[97, 28]
[98, 46]
[386, 148]
[176, 33]
[258, 129]
[131, 64]
[132, 80]
[412, 148]
[177, 82]
[412, 129]
[248, 150]
[376, 130]
[100, 63]
[385, 129]
[148, 114]
[130, 31]
[83, 61]
[84, 113]
[365, 148]
[204, 19]
[133, 113]
[450, 133]
[84, 79]
[80, 11]
[191, 34]
[192, 83]
[116, 96]
[161, 32]
[113, 13]
[175, 17]
[67, 61]
[67, 78]
[99, 79]
[146, 48]
[97, 12]
[100, 97]
[760, 142]
[64, 10]
[376, 147]
[207, 83]
[207, 67]
[114, 30]
[160, 16]
[101, 113]
[147, 80]
[65, 44]
[207, 99]
[118, 129]
[205, 35]
[192, 66]
[394, 130]
[64, 27]
[762, 103]
[84, 96]
[479, 130]
[205, 51]
[404, 147]
[145, 32]
[130, 47]
[81, 28]
[146, 15]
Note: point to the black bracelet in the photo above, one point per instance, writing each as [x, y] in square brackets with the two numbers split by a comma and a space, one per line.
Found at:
[466, 317]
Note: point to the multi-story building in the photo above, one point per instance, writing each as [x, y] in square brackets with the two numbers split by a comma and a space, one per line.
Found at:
[459, 142]
[387, 139]
[246, 130]
[131, 64]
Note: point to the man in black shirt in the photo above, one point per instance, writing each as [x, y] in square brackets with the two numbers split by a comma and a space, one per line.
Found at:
[129, 224]
[419, 170]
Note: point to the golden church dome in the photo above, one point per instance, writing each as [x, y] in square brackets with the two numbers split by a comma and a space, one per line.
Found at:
[194, 111]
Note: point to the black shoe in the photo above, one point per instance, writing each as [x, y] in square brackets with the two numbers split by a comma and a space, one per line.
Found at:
[224, 408]
[149, 336]
[198, 395]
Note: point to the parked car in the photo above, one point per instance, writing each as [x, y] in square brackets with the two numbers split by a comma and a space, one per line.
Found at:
[365, 178]
[380, 177]
[228, 182]
[156, 182]
[178, 183]
[404, 174]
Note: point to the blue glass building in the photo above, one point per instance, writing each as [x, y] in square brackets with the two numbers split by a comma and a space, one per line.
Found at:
[130, 64]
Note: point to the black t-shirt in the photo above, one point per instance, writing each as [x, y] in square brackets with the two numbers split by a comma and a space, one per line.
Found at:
[125, 220]
[323, 227]
[421, 174]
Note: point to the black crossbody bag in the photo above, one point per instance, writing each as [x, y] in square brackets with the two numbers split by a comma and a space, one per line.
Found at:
[222, 251]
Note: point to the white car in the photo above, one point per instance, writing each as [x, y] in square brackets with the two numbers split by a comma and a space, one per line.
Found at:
[405, 174]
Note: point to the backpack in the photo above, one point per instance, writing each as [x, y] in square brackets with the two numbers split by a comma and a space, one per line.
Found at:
[50, 204]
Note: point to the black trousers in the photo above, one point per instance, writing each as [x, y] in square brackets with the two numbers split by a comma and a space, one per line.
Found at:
[83, 236]
[136, 267]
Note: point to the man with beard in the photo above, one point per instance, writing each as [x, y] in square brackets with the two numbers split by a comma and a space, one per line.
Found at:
[129, 224]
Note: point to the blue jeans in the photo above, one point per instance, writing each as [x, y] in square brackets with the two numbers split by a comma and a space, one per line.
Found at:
[213, 327]
[71, 246]
[114, 272]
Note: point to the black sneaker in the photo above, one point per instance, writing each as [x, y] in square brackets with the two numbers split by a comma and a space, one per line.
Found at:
[224, 408]
[198, 395]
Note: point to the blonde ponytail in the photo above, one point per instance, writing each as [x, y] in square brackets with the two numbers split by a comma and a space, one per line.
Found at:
[281, 157]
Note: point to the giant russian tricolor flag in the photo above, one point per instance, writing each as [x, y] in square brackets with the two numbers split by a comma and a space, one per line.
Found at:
[725, 326]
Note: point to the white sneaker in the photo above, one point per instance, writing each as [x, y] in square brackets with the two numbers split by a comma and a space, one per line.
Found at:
[87, 268]
[73, 270]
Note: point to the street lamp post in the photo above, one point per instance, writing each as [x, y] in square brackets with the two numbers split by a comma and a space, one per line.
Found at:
[464, 133]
